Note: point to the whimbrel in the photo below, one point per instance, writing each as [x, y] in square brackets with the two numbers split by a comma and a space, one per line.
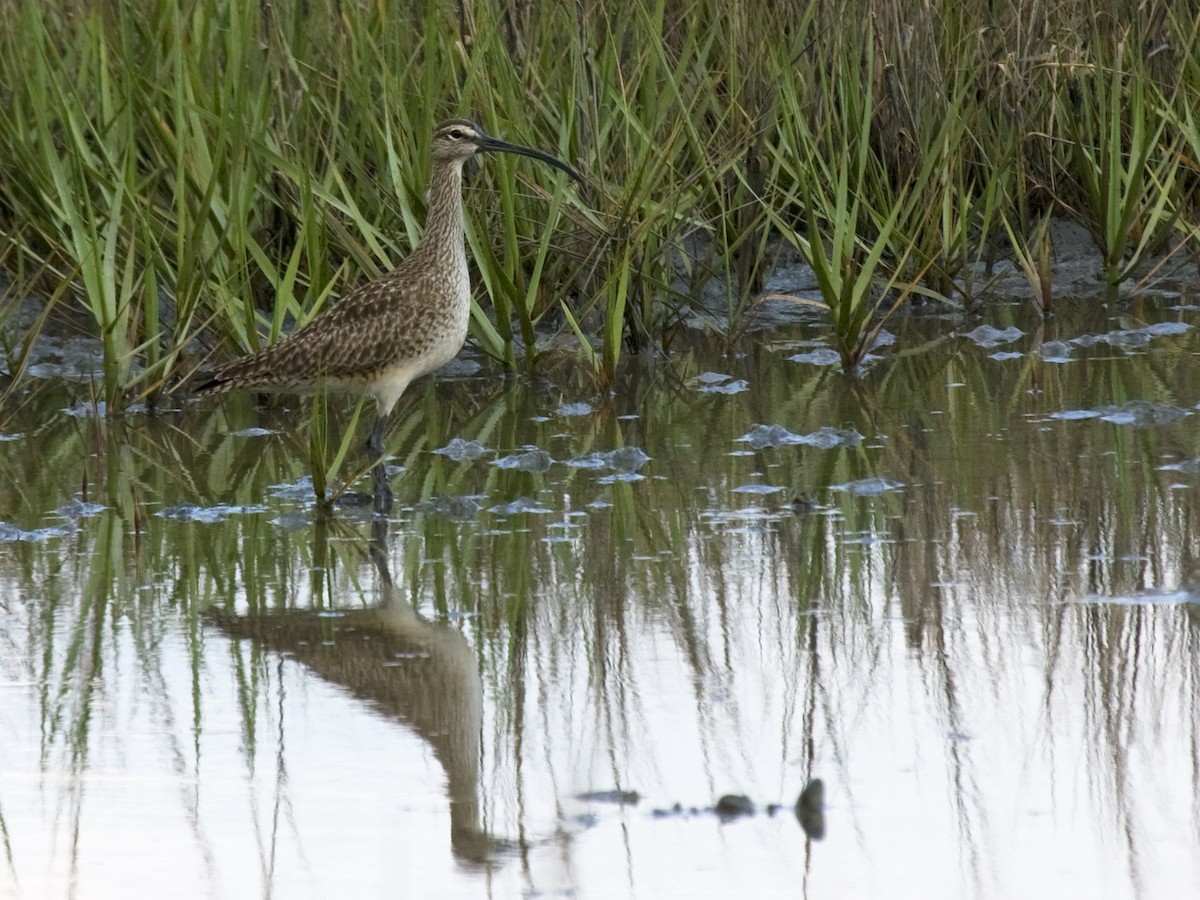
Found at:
[394, 329]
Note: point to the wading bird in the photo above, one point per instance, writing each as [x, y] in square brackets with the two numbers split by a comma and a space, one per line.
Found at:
[403, 325]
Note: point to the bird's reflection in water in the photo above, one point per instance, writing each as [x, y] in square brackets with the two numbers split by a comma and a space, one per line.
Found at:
[423, 673]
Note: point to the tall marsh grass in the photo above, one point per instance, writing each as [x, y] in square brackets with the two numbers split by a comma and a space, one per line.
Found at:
[191, 179]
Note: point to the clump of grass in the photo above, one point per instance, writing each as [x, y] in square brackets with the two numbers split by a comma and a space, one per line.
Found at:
[201, 178]
[1126, 159]
[851, 226]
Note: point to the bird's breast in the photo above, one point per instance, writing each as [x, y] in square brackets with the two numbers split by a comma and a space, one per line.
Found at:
[454, 317]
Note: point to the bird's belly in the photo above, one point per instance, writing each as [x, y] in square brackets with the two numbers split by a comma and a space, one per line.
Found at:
[389, 383]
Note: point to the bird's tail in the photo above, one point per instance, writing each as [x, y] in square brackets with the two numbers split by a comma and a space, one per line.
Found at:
[245, 373]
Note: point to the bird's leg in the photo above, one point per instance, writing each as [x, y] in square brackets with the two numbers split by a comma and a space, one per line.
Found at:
[375, 441]
[383, 490]
[379, 479]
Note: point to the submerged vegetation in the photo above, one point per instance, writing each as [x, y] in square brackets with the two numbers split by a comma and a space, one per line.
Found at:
[188, 179]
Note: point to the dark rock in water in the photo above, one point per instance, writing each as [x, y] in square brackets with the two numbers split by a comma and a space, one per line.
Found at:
[352, 499]
[622, 798]
[459, 368]
[803, 503]
[730, 806]
[810, 809]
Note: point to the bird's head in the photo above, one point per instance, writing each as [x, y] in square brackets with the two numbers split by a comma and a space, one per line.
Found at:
[457, 140]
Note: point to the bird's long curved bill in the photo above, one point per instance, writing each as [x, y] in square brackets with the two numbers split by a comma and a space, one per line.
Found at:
[495, 145]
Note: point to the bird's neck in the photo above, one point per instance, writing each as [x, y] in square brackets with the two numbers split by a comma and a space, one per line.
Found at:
[444, 221]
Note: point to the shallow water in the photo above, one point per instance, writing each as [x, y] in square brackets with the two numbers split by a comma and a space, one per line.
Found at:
[960, 588]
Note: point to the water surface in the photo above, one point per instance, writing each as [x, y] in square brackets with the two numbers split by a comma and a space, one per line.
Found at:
[960, 588]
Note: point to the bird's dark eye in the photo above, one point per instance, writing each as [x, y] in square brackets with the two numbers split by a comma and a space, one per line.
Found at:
[456, 134]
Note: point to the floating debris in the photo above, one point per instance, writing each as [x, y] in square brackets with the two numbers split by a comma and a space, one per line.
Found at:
[294, 520]
[78, 509]
[463, 507]
[574, 409]
[1055, 352]
[531, 460]
[296, 490]
[98, 410]
[10, 534]
[729, 387]
[519, 506]
[760, 437]
[1142, 413]
[1071, 415]
[459, 450]
[620, 476]
[596, 460]
[719, 383]
[1139, 413]
[252, 432]
[988, 337]
[883, 339]
[867, 487]
[207, 515]
[623, 459]
[747, 519]
[1132, 337]
[823, 356]
[757, 489]
[627, 459]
